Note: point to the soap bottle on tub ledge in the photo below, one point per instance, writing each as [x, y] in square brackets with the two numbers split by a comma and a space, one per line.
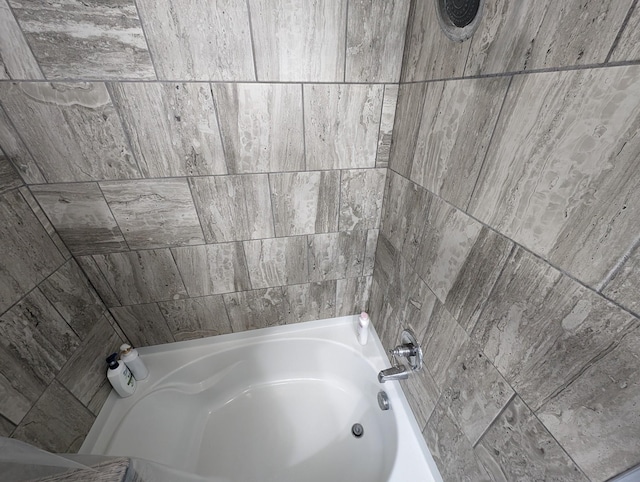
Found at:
[120, 377]
[131, 358]
[362, 328]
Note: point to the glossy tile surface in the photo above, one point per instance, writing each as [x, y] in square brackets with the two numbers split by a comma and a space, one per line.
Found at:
[305, 202]
[20, 269]
[70, 292]
[561, 168]
[212, 268]
[85, 40]
[515, 36]
[15, 150]
[457, 123]
[387, 119]
[81, 216]
[342, 123]
[196, 317]
[154, 214]
[57, 422]
[311, 301]
[143, 324]
[595, 418]
[261, 126]
[199, 41]
[361, 193]
[16, 59]
[352, 295]
[233, 208]
[66, 127]
[518, 447]
[375, 40]
[249, 310]
[541, 329]
[277, 261]
[172, 127]
[336, 255]
[142, 276]
[298, 40]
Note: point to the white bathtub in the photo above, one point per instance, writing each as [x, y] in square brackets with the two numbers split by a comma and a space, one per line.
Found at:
[276, 404]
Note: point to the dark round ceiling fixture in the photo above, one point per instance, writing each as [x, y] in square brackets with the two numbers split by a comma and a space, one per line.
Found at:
[459, 19]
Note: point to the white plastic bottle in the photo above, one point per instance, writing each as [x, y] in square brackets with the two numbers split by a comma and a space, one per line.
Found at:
[120, 377]
[133, 361]
[363, 328]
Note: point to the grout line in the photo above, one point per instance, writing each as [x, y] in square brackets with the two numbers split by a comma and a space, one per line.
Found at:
[623, 27]
[408, 31]
[346, 36]
[384, 92]
[532, 253]
[115, 220]
[226, 310]
[24, 37]
[304, 130]
[222, 138]
[193, 201]
[340, 172]
[271, 203]
[246, 263]
[253, 43]
[618, 266]
[486, 152]
[146, 39]
[502, 410]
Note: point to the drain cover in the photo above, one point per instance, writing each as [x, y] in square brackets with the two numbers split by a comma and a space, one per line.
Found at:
[461, 12]
[357, 430]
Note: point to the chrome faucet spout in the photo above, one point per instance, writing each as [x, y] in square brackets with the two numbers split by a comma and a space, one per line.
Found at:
[397, 372]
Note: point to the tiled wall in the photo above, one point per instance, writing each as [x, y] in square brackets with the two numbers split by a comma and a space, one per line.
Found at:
[509, 239]
[207, 167]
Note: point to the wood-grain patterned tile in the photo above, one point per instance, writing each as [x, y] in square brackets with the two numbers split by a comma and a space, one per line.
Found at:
[277, 261]
[361, 192]
[310, 301]
[249, 310]
[16, 59]
[336, 255]
[143, 324]
[194, 318]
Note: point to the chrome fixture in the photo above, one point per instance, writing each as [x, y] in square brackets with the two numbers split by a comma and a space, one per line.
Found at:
[409, 349]
[383, 400]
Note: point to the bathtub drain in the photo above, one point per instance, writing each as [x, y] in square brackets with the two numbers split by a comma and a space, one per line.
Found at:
[357, 430]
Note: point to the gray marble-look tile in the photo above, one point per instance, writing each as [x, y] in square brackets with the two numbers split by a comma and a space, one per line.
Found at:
[28, 254]
[15, 150]
[101, 395]
[233, 208]
[375, 40]
[448, 237]
[277, 261]
[336, 255]
[387, 120]
[541, 329]
[311, 301]
[261, 126]
[624, 286]
[142, 276]
[154, 213]
[194, 318]
[352, 295]
[57, 421]
[477, 276]
[44, 220]
[429, 54]
[16, 59]
[300, 41]
[370, 252]
[81, 216]
[382, 315]
[408, 115]
[361, 192]
[6, 427]
[172, 127]
[212, 268]
[84, 373]
[97, 279]
[596, 418]
[36, 335]
[86, 40]
[114, 324]
[67, 127]
[519, 447]
[515, 36]
[20, 385]
[422, 394]
[450, 449]
[143, 324]
[305, 202]
[405, 214]
[68, 289]
[561, 170]
[249, 310]
[628, 46]
[204, 41]
[477, 393]
[457, 123]
[9, 177]
[342, 123]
